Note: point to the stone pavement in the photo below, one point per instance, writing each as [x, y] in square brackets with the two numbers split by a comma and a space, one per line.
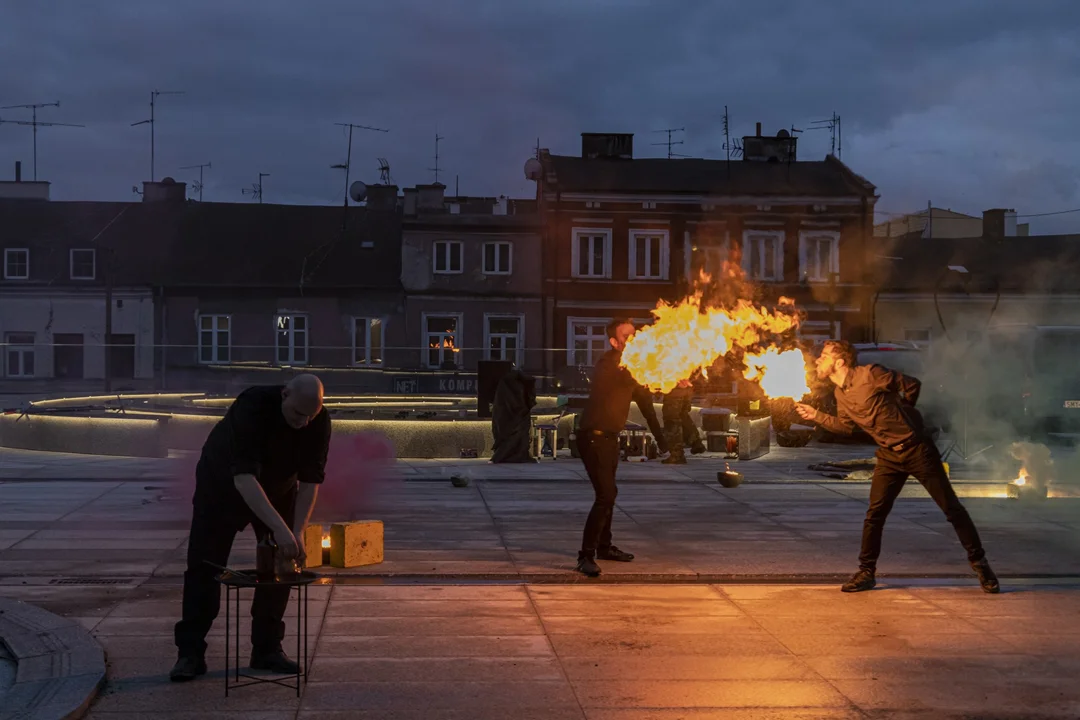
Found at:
[910, 650]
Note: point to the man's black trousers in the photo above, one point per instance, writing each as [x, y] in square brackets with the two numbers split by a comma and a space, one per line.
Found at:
[211, 538]
[922, 460]
[600, 454]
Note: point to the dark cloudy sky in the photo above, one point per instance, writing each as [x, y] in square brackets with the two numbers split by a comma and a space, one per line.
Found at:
[969, 103]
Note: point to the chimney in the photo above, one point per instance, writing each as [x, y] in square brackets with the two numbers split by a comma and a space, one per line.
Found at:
[168, 190]
[608, 146]
[758, 130]
[430, 197]
[382, 197]
[994, 223]
[18, 171]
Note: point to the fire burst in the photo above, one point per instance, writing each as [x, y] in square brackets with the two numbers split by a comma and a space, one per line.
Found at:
[687, 337]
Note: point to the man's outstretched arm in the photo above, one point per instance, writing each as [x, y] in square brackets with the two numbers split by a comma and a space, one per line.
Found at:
[839, 424]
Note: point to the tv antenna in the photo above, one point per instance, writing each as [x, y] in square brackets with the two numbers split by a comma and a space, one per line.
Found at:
[384, 172]
[731, 148]
[198, 186]
[435, 169]
[671, 142]
[835, 137]
[33, 122]
[256, 191]
[348, 154]
[153, 98]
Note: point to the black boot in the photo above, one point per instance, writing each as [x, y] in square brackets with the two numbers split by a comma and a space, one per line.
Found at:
[987, 578]
[587, 566]
[614, 553]
[276, 661]
[677, 457]
[862, 580]
[187, 667]
[697, 448]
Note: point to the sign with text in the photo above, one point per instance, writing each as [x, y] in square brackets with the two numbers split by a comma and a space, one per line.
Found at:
[433, 384]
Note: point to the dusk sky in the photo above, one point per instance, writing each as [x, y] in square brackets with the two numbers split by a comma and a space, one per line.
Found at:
[970, 104]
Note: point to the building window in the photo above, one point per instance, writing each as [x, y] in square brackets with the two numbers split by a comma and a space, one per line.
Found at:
[442, 341]
[649, 254]
[503, 339]
[292, 339]
[497, 257]
[586, 340]
[16, 264]
[19, 355]
[591, 253]
[763, 254]
[367, 341]
[817, 331]
[214, 338]
[82, 264]
[447, 257]
[818, 255]
[917, 335]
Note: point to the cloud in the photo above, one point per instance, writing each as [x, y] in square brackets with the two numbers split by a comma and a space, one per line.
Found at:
[966, 103]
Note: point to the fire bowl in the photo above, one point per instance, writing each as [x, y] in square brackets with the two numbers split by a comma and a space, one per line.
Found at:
[1026, 492]
[729, 478]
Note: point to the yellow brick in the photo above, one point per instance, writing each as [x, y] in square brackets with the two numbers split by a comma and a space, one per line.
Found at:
[313, 545]
[353, 544]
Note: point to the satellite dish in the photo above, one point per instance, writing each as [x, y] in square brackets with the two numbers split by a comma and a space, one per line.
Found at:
[533, 168]
[782, 133]
[167, 181]
[358, 191]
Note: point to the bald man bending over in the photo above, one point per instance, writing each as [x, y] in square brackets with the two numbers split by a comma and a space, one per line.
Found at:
[261, 465]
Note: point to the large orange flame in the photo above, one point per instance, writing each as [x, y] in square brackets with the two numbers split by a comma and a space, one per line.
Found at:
[687, 337]
[780, 373]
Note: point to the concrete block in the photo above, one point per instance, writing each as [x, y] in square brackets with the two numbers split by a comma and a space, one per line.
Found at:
[313, 546]
[353, 544]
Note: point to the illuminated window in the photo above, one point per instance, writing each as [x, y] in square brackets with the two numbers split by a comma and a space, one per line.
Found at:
[441, 340]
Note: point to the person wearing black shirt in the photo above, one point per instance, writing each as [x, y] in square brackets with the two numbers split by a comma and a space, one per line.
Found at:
[604, 417]
[881, 402]
[262, 465]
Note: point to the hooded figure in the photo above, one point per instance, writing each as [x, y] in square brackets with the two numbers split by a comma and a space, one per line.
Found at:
[511, 425]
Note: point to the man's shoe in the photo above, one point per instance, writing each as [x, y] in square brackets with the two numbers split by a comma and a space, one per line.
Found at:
[697, 449]
[187, 667]
[614, 553]
[587, 566]
[674, 459]
[276, 661]
[862, 580]
[987, 578]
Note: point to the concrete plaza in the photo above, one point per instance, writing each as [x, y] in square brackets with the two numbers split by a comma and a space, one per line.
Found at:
[731, 609]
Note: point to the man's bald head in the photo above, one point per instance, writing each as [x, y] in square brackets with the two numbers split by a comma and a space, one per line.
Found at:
[302, 399]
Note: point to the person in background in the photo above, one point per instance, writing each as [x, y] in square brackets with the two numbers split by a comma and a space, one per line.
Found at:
[262, 465]
[882, 403]
[603, 419]
[679, 428]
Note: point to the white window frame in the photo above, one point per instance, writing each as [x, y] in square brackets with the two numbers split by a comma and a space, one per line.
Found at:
[571, 338]
[520, 337]
[818, 330]
[93, 263]
[575, 252]
[806, 237]
[750, 245]
[509, 257]
[443, 247]
[7, 263]
[425, 338]
[366, 340]
[664, 236]
[23, 349]
[292, 347]
[215, 346]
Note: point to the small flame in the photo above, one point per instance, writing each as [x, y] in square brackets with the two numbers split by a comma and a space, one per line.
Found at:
[326, 541]
[1021, 479]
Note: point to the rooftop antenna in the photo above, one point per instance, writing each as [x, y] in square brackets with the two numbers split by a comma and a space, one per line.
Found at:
[199, 186]
[835, 138]
[153, 97]
[435, 169]
[348, 156]
[256, 191]
[33, 122]
[671, 142]
[384, 172]
[730, 149]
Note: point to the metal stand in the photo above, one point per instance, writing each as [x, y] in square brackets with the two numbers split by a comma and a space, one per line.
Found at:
[962, 452]
[234, 582]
